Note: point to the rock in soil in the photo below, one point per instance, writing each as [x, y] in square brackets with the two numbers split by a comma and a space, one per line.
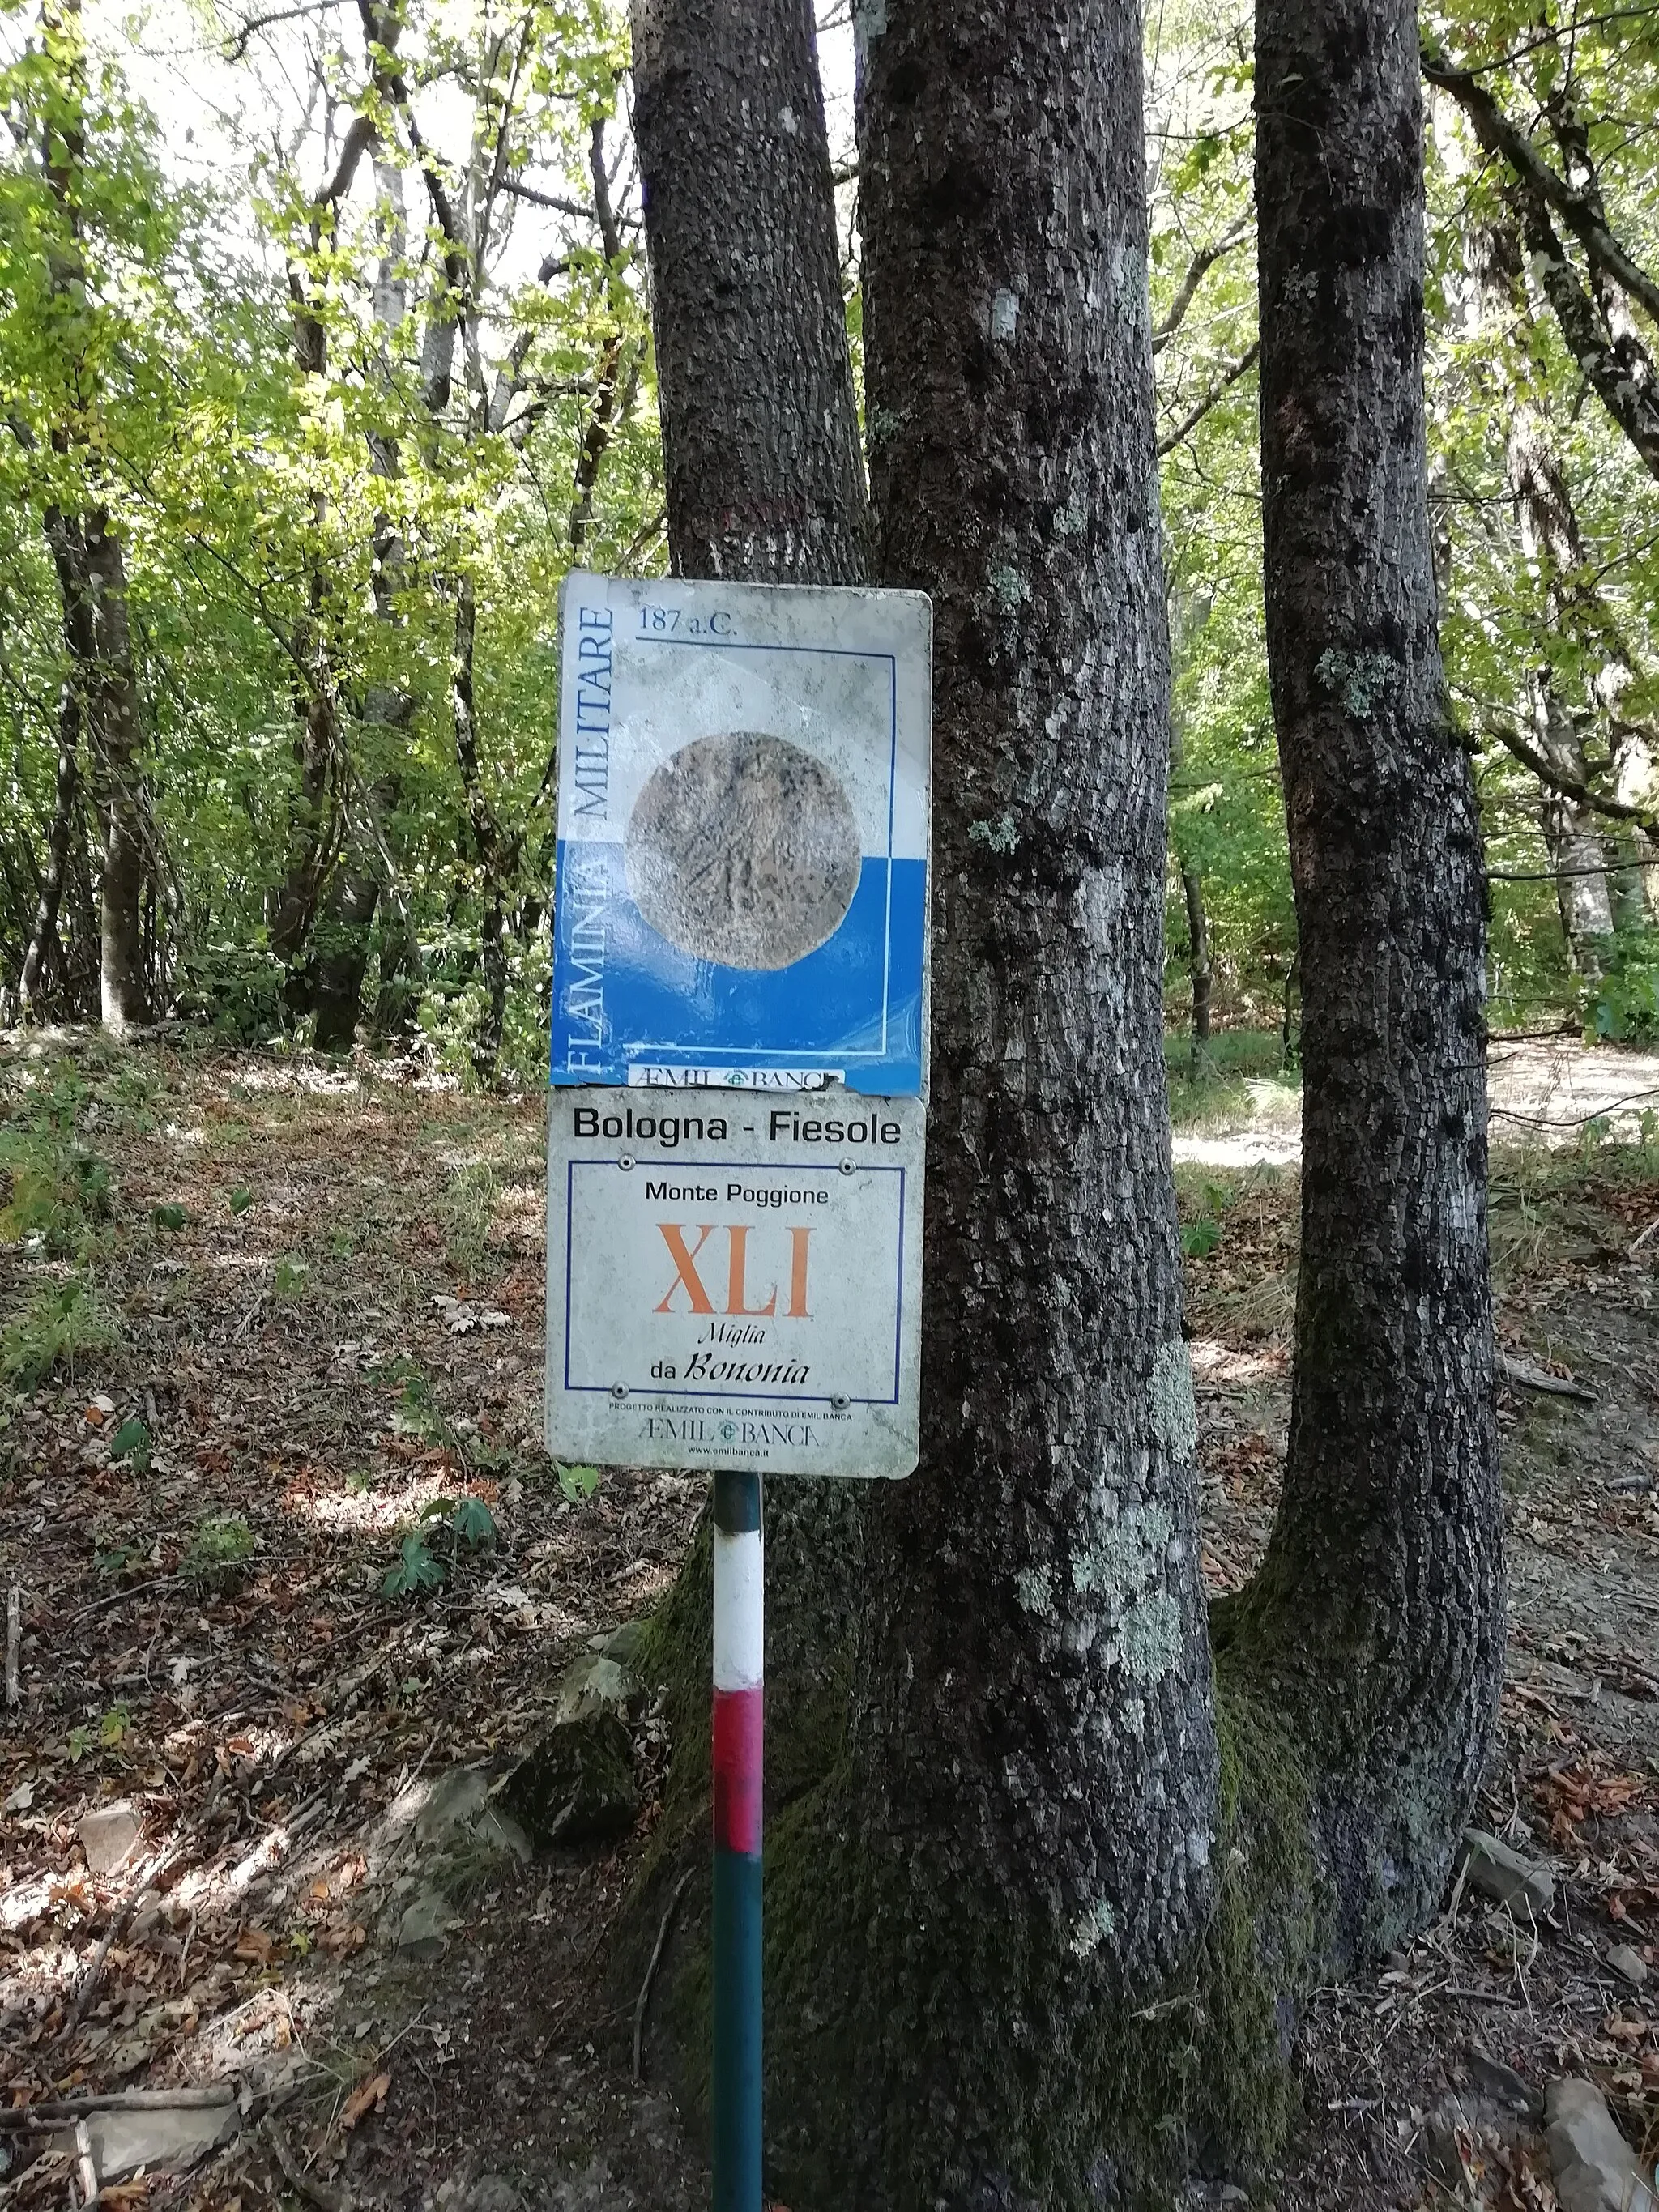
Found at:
[1496, 1871]
[577, 1785]
[1502, 2085]
[1624, 1959]
[427, 1923]
[1595, 2169]
[107, 1835]
[162, 2138]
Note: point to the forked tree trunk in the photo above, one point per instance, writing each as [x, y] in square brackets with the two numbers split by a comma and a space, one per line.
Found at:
[1033, 1758]
[1377, 1620]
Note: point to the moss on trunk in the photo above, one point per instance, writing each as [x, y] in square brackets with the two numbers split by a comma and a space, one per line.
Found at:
[1089, 2099]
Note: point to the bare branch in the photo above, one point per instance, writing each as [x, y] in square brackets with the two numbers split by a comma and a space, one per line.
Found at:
[1579, 210]
[1211, 398]
[1568, 786]
[1197, 269]
[236, 51]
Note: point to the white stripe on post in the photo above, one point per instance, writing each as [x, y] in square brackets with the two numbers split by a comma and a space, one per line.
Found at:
[739, 1611]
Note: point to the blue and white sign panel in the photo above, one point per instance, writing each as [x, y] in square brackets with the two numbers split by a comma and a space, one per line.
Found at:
[743, 819]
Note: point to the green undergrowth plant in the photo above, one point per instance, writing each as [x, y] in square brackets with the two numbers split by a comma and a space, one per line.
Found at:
[55, 1192]
[218, 1553]
[449, 1530]
[61, 1327]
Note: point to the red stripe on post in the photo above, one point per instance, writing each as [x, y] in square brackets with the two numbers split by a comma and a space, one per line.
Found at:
[738, 1721]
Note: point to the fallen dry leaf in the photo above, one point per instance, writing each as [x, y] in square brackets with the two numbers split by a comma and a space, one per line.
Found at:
[366, 2095]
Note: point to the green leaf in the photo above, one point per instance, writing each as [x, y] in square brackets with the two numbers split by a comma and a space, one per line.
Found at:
[169, 1216]
[578, 1483]
[473, 1522]
[416, 1570]
[131, 1441]
[1200, 1236]
[240, 1199]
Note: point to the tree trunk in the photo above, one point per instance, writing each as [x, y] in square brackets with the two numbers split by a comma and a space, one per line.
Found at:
[1198, 959]
[1551, 544]
[314, 826]
[92, 581]
[1376, 1622]
[766, 477]
[43, 937]
[759, 426]
[1034, 1752]
[765, 484]
[1573, 837]
[119, 796]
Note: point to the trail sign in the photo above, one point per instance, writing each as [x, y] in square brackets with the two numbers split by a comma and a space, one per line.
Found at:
[737, 1112]
[738, 1108]
[734, 1279]
[742, 887]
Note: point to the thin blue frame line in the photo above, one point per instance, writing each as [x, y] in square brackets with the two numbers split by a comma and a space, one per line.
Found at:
[773, 1398]
[569, 1241]
[835, 652]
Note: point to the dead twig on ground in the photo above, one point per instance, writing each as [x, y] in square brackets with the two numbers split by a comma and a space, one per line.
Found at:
[323, 2194]
[95, 1973]
[14, 1643]
[52, 2112]
[1540, 1378]
[644, 1996]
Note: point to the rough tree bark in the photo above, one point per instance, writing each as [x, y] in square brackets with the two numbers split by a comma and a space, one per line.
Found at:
[1033, 1772]
[1376, 1619]
[766, 485]
[759, 425]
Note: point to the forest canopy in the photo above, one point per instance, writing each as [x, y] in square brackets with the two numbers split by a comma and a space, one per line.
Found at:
[325, 349]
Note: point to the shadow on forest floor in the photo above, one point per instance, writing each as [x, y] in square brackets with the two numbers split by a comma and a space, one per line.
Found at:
[301, 1303]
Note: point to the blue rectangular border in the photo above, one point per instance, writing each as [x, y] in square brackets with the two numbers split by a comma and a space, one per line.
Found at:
[660, 1054]
[737, 1390]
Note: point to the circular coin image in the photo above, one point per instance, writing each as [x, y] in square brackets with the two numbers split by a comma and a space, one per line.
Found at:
[744, 850]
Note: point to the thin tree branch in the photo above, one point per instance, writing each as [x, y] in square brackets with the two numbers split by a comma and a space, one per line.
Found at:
[1568, 786]
[1211, 398]
[1197, 269]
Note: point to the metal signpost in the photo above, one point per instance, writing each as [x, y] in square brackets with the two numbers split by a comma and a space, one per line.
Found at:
[738, 1113]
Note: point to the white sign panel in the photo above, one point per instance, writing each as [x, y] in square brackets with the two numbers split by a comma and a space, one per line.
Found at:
[734, 1279]
[742, 868]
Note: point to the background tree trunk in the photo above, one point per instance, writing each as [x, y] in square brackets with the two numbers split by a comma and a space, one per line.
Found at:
[759, 426]
[92, 581]
[1198, 960]
[1377, 1618]
[43, 937]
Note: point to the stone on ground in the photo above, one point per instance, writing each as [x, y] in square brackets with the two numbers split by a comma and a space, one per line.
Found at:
[1625, 1959]
[108, 1834]
[162, 2138]
[1595, 2169]
[1496, 1871]
[576, 1783]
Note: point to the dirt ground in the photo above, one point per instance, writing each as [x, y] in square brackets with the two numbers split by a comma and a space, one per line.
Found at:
[303, 1302]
